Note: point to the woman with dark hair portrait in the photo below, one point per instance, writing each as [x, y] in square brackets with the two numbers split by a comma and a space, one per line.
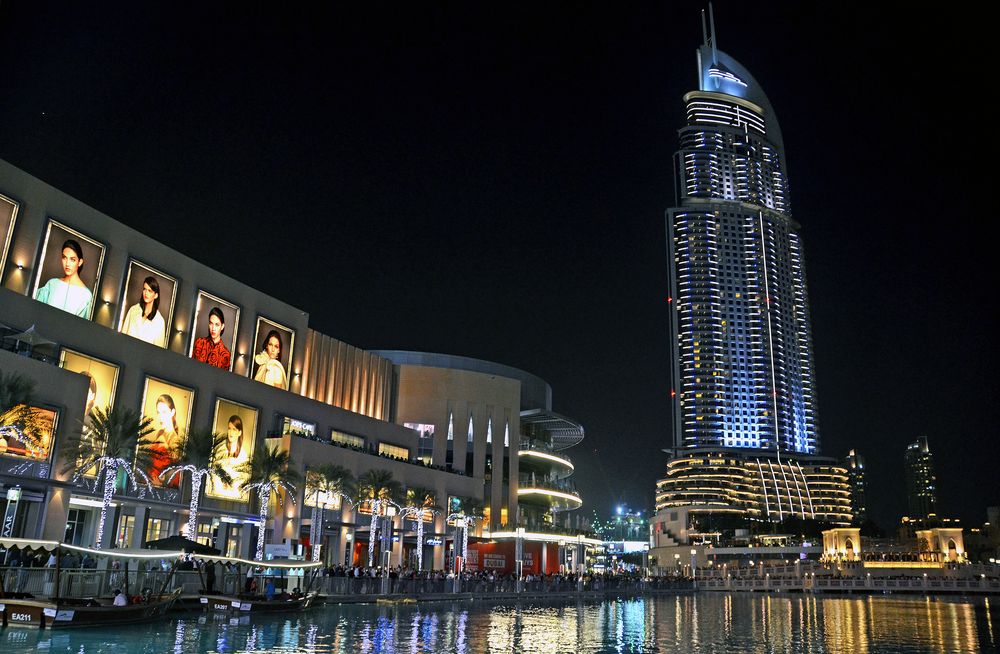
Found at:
[210, 349]
[234, 437]
[143, 319]
[162, 444]
[270, 371]
[68, 293]
[91, 394]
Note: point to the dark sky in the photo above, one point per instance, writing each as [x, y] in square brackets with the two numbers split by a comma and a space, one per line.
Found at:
[490, 181]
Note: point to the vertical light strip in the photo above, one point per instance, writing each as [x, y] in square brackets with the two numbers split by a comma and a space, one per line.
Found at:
[777, 493]
[763, 485]
[812, 513]
[770, 337]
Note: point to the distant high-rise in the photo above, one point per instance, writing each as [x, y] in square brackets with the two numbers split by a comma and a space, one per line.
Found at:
[921, 486]
[855, 464]
[742, 361]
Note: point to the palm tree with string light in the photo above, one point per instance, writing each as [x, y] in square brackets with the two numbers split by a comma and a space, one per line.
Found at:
[418, 502]
[325, 482]
[112, 441]
[199, 453]
[469, 510]
[267, 472]
[380, 491]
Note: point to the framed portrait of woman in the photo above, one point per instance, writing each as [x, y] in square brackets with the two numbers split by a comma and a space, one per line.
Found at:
[216, 323]
[169, 407]
[239, 423]
[272, 353]
[147, 304]
[35, 443]
[8, 216]
[69, 269]
[103, 378]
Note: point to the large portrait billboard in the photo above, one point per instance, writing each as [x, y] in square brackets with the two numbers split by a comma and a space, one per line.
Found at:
[69, 270]
[103, 378]
[169, 407]
[34, 443]
[239, 423]
[148, 304]
[216, 323]
[8, 216]
[273, 346]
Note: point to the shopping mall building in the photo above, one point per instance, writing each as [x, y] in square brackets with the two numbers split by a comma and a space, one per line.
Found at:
[189, 347]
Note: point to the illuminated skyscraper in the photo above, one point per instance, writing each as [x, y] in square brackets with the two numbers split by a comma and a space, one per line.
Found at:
[742, 375]
[855, 464]
[921, 485]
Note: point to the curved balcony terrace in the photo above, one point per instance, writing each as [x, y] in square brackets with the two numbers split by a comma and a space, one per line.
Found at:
[536, 456]
[558, 494]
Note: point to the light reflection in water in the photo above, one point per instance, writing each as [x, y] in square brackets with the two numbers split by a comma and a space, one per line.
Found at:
[708, 622]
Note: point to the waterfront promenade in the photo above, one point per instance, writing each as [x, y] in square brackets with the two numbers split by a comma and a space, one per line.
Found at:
[811, 577]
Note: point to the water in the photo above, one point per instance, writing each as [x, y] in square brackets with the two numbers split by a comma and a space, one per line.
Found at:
[714, 623]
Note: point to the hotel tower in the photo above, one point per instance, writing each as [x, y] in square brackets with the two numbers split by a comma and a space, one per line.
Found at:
[745, 430]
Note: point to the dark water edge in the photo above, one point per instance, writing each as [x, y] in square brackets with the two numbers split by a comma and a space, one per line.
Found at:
[705, 622]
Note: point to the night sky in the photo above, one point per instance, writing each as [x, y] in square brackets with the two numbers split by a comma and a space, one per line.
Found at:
[490, 181]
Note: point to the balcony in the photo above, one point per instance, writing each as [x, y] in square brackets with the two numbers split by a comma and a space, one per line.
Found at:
[541, 458]
[558, 494]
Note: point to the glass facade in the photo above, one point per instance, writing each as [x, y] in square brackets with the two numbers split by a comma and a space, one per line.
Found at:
[745, 432]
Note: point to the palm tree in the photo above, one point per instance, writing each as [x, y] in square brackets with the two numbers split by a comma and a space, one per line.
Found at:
[323, 482]
[380, 490]
[110, 443]
[18, 420]
[268, 471]
[198, 454]
[420, 501]
[470, 509]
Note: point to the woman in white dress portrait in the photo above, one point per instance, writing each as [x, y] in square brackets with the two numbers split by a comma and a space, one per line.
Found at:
[143, 319]
[270, 371]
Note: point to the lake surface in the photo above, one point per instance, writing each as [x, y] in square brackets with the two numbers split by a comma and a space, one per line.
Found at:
[707, 622]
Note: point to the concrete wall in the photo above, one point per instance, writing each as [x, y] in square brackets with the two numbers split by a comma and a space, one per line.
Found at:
[429, 395]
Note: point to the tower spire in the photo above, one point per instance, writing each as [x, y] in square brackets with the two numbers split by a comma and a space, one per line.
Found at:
[711, 25]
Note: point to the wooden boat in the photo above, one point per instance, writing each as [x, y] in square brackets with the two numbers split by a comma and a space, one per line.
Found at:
[66, 612]
[243, 605]
[21, 609]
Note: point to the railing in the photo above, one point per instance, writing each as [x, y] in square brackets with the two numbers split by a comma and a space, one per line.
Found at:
[871, 584]
[534, 481]
[84, 583]
[91, 583]
[535, 446]
[371, 450]
[353, 586]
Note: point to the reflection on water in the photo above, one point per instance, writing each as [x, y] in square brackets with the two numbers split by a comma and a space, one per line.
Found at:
[708, 622]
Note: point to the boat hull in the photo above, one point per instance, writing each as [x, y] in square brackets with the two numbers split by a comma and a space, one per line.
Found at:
[41, 614]
[235, 606]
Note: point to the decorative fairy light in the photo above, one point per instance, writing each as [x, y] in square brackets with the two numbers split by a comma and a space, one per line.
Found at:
[319, 508]
[264, 491]
[109, 466]
[197, 477]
